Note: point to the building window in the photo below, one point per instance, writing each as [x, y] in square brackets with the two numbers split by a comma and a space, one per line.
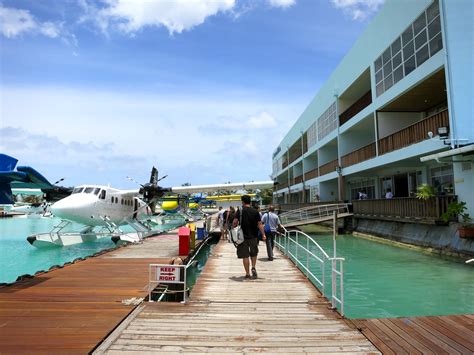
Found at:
[327, 122]
[442, 179]
[312, 134]
[363, 190]
[420, 41]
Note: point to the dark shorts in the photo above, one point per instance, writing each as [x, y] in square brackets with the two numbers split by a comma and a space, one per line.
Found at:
[248, 248]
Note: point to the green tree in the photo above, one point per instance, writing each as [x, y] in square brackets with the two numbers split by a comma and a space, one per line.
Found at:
[267, 196]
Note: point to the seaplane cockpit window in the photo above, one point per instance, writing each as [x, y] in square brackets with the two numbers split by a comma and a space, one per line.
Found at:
[88, 190]
[96, 190]
[77, 190]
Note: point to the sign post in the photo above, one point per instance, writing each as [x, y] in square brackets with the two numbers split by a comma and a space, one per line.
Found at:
[165, 273]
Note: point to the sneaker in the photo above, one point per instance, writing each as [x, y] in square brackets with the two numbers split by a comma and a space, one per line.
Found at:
[254, 273]
[247, 277]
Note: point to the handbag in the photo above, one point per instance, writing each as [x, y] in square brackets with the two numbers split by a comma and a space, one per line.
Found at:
[237, 234]
[267, 228]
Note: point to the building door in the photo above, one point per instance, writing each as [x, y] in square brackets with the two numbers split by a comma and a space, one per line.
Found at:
[412, 183]
[401, 185]
[386, 183]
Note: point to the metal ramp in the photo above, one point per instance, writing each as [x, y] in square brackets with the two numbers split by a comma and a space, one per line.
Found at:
[314, 214]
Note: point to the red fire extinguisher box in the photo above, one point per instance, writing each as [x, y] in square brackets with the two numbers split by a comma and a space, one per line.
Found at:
[183, 234]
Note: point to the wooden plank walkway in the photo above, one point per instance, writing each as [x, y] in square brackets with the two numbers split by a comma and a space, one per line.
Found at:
[421, 335]
[72, 309]
[280, 312]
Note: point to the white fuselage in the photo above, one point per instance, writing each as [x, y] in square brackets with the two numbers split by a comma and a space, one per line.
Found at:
[91, 204]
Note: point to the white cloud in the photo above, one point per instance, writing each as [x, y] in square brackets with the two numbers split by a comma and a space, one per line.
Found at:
[15, 22]
[261, 120]
[282, 3]
[123, 133]
[131, 16]
[358, 9]
[237, 125]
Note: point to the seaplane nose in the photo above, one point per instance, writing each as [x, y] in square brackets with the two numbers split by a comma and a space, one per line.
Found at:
[71, 206]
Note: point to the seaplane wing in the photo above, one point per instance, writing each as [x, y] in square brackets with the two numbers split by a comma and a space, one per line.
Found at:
[215, 187]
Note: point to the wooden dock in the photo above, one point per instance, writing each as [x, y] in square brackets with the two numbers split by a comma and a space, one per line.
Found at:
[421, 335]
[72, 309]
[279, 312]
[79, 308]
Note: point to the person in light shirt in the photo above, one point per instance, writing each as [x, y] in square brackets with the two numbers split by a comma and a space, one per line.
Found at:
[389, 194]
[271, 220]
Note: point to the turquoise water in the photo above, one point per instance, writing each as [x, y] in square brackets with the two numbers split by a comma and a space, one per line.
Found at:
[18, 257]
[382, 280]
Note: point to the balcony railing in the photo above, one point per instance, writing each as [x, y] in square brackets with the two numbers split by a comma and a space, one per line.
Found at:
[298, 179]
[409, 209]
[364, 153]
[415, 133]
[355, 108]
[281, 185]
[328, 167]
[311, 174]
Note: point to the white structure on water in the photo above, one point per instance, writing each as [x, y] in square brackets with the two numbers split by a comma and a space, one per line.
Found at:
[408, 77]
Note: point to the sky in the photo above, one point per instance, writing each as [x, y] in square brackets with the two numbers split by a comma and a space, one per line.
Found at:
[95, 91]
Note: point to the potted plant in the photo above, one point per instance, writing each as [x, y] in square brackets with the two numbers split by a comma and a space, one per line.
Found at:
[458, 210]
[425, 192]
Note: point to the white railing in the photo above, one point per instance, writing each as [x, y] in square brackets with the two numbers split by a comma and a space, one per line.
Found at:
[166, 274]
[292, 243]
[311, 213]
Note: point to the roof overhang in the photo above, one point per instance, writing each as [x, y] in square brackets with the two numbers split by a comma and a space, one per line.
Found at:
[469, 149]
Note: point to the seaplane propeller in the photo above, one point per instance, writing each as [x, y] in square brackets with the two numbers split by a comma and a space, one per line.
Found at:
[151, 191]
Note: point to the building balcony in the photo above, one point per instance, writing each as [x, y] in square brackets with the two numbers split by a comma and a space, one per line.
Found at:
[311, 174]
[281, 185]
[406, 209]
[355, 108]
[365, 153]
[328, 167]
[298, 179]
[415, 133]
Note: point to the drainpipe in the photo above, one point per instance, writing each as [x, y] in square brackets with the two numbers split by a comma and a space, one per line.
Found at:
[288, 198]
[302, 166]
[447, 73]
[376, 119]
[340, 178]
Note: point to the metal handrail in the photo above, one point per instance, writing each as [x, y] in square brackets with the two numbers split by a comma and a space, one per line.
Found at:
[288, 237]
[313, 212]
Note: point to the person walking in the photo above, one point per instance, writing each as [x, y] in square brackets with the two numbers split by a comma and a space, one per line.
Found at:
[220, 221]
[272, 223]
[230, 219]
[250, 224]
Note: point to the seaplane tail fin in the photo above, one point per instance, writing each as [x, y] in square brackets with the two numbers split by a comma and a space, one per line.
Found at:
[6, 197]
[7, 163]
[22, 177]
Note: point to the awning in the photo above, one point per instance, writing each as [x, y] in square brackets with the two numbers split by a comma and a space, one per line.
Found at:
[449, 153]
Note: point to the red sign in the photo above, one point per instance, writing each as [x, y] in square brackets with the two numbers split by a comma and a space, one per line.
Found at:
[168, 274]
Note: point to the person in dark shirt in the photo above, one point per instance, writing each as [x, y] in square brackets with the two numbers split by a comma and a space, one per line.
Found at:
[251, 224]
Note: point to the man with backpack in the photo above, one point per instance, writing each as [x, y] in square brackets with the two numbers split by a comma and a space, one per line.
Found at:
[272, 224]
[250, 223]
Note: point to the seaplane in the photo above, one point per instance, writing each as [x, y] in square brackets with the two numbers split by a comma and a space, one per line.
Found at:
[24, 180]
[104, 211]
